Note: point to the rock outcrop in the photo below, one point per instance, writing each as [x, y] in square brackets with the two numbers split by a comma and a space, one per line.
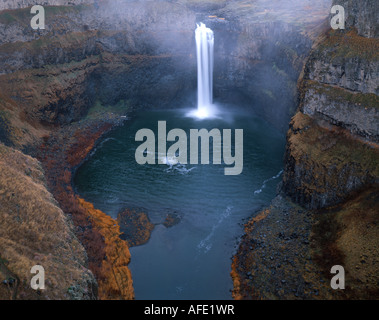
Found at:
[362, 15]
[332, 142]
[135, 226]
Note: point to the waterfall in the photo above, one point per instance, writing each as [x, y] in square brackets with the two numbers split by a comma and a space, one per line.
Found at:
[204, 46]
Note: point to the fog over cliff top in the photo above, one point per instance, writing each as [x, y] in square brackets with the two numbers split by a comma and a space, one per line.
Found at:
[214, 4]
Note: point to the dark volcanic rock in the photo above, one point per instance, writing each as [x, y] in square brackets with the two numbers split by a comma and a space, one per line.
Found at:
[363, 15]
[173, 217]
[135, 226]
[332, 149]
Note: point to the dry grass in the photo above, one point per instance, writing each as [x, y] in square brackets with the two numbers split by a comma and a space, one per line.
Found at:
[348, 235]
[334, 93]
[330, 147]
[39, 89]
[14, 130]
[108, 255]
[34, 230]
[326, 163]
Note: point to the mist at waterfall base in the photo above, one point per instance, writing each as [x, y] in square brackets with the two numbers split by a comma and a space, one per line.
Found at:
[192, 259]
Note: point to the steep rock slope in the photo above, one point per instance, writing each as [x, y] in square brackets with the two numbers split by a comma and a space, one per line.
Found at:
[35, 231]
[332, 143]
[54, 76]
[144, 52]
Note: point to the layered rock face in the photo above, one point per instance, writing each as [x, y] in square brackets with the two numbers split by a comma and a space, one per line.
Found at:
[332, 142]
[52, 78]
[332, 156]
[362, 15]
[260, 48]
[331, 170]
[107, 54]
[144, 52]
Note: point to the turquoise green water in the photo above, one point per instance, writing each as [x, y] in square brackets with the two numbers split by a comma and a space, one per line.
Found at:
[192, 259]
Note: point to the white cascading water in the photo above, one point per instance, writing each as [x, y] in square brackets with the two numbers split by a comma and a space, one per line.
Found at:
[205, 61]
[204, 46]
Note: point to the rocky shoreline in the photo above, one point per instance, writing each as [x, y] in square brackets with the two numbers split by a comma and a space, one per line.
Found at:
[273, 259]
[287, 251]
[61, 154]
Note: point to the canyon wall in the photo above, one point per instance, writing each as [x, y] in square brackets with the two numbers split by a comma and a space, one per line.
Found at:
[144, 53]
[362, 15]
[326, 211]
[106, 54]
[332, 142]
[260, 48]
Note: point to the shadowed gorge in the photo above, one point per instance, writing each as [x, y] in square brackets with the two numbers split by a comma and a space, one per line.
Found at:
[73, 96]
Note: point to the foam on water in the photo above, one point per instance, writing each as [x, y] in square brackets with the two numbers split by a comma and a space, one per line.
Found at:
[266, 181]
[205, 245]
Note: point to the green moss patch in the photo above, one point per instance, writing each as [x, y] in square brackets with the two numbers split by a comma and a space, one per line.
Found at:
[341, 45]
[366, 100]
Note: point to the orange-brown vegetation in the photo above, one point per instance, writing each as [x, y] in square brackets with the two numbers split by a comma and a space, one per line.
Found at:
[115, 279]
[108, 255]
